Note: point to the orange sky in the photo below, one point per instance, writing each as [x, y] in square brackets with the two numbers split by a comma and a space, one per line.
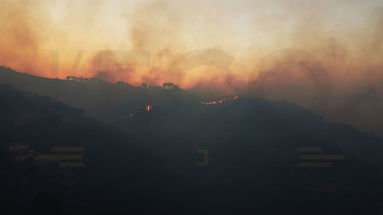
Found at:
[142, 41]
[326, 54]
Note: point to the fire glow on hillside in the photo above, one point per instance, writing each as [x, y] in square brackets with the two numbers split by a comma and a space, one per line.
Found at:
[219, 101]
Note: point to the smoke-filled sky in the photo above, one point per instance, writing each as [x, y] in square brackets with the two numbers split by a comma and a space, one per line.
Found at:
[298, 49]
[245, 29]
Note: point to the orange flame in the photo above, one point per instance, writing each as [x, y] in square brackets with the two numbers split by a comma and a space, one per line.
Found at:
[148, 107]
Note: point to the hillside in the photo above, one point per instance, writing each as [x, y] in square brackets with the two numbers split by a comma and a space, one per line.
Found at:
[99, 99]
[181, 156]
[32, 126]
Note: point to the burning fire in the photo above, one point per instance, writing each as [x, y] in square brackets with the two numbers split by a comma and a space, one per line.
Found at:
[219, 101]
[148, 107]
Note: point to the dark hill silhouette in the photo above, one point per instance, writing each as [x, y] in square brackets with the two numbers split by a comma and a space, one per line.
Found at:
[114, 104]
[114, 161]
[253, 160]
[156, 164]
[100, 99]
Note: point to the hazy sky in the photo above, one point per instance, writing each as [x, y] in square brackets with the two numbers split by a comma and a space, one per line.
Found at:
[238, 25]
[244, 29]
[247, 30]
[209, 44]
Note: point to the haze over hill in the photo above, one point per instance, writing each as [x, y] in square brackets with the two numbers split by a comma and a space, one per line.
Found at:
[209, 45]
[117, 101]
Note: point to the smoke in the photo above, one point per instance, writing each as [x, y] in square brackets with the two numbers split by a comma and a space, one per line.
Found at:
[326, 55]
[337, 75]
[21, 36]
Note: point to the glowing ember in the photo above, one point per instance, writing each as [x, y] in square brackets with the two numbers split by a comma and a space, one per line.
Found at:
[219, 101]
[148, 108]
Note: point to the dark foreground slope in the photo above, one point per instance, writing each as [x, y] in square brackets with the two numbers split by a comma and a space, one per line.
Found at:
[117, 171]
[255, 158]
[240, 157]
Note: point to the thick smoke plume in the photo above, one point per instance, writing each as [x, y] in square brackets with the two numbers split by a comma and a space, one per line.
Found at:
[302, 51]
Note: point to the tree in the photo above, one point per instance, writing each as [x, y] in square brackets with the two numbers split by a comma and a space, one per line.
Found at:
[170, 86]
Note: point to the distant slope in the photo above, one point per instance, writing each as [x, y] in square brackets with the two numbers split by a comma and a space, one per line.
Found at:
[100, 99]
[175, 111]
